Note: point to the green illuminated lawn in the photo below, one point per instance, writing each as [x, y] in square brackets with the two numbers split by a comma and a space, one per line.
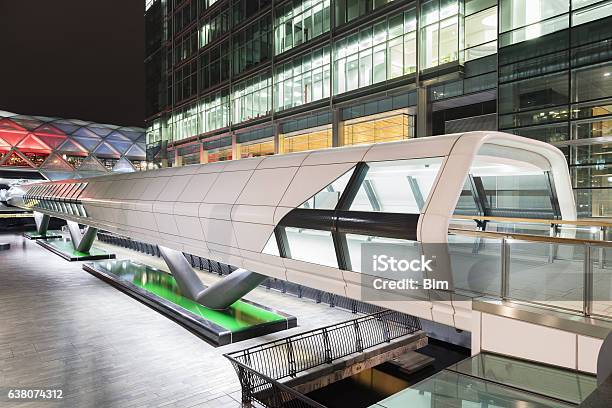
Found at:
[67, 248]
[239, 316]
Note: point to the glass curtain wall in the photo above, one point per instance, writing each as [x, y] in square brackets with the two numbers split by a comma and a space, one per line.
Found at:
[302, 80]
[440, 23]
[214, 111]
[376, 53]
[252, 45]
[348, 10]
[557, 87]
[522, 20]
[213, 26]
[184, 122]
[251, 98]
[480, 28]
[299, 21]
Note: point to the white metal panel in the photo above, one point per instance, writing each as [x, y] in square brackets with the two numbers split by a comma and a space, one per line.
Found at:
[283, 160]
[163, 207]
[259, 214]
[267, 186]
[174, 188]
[588, 352]
[325, 283]
[499, 336]
[250, 163]
[166, 224]
[198, 186]
[187, 209]
[139, 186]
[349, 154]
[227, 187]
[154, 188]
[280, 213]
[411, 149]
[311, 179]
[252, 237]
[189, 227]
[218, 232]
[216, 167]
[217, 211]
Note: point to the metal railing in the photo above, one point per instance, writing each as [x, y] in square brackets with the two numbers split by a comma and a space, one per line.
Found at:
[268, 392]
[260, 368]
[589, 252]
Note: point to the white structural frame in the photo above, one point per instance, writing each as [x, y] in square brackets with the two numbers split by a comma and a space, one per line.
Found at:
[227, 211]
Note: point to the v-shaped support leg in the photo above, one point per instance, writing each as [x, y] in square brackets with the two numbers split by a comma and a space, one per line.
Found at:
[219, 296]
[42, 222]
[82, 241]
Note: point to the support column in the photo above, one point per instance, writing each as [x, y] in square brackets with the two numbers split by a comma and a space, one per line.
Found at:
[337, 128]
[219, 296]
[235, 148]
[178, 159]
[191, 286]
[82, 242]
[203, 154]
[42, 222]
[423, 127]
[164, 154]
[278, 148]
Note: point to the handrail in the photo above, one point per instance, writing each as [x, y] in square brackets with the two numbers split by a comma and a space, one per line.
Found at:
[261, 367]
[291, 355]
[269, 392]
[587, 246]
[580, 223]
[528, 237]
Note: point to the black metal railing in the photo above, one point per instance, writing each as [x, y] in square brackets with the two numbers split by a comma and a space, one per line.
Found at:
[260, 368]
[268, 392]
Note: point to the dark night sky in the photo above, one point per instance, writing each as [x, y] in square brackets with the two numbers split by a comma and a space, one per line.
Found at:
[78, 59]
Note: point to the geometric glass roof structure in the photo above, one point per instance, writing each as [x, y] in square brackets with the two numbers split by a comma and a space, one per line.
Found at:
[68, 148]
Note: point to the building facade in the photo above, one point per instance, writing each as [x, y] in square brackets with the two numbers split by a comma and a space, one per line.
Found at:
[60, 149]
[228, 79]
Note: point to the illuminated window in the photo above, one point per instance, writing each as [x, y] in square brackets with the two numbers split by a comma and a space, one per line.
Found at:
[184, 122]
[596, 12]
[251, 98]
[219, 155]
[378, 128]
[348, 10]
[257, 149]
[481, 33]
[522, 20]
[377, 53]
[302, 80]
[300, 21]
[213, 26]
[314, 140]
[154, 132]
[440, 39]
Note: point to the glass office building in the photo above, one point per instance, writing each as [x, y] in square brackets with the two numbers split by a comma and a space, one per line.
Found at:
[230, 79]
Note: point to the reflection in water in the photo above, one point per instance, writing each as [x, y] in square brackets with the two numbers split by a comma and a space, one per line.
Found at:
[238, 316]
